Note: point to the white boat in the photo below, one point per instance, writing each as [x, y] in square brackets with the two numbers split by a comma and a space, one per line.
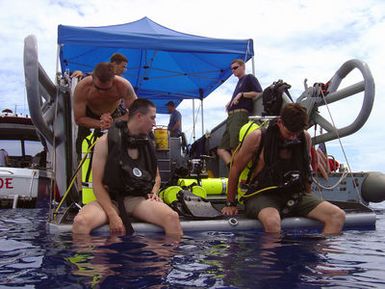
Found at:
[25, 182]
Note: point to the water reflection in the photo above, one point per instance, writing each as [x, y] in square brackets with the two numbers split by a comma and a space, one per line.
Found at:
[122, 262]
[21, 256]
[261, 261]
[90, 259]
[33, 258]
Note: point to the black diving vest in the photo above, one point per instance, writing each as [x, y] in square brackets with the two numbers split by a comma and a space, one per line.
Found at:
[276, 167]
[123, 175]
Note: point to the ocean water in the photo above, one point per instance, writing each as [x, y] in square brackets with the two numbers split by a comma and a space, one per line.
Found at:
[30, 257]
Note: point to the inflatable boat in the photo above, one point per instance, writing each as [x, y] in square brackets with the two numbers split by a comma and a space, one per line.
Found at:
[363, 219]
[50, 109]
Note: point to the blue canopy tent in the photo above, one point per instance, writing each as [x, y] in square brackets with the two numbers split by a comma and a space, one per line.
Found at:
[163, 64]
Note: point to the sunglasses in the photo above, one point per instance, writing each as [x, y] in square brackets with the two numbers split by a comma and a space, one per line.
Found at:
[234, 67]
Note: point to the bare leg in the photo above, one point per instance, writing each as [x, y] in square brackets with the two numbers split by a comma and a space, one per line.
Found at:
[270, 219]
[330, 215]
[89, 217]
[159, 214]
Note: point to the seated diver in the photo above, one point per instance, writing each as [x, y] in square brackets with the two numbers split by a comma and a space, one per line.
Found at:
[280, 150]
[126, 178]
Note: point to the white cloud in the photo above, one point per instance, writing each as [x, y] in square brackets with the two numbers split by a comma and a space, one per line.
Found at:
[293, 40]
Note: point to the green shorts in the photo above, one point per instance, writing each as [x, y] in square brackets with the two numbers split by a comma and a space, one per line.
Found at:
[277, 200]
[234, 122]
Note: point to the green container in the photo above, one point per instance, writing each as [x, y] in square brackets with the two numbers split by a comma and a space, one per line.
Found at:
[168, 195]
[199, 191]
[186, 182]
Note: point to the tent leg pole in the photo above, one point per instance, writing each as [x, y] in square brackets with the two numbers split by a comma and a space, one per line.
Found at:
[253, 65]
[203, 123]
[193, 110]
[57, 64]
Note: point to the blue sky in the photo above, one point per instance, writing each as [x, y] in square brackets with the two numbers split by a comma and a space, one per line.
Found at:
[293, 40]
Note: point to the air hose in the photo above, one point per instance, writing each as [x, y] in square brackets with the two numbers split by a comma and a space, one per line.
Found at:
[73, 179]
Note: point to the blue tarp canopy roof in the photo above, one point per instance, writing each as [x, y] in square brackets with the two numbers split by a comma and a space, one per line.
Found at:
[163, 64]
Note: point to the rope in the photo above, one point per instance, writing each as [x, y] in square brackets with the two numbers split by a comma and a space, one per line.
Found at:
[342, 148]
[333, 186]
[73, 180]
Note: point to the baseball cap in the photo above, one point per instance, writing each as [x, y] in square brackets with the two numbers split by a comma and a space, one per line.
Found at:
[170, 103]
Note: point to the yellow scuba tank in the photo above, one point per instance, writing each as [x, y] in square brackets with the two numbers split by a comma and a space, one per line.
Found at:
[245, 130]
[87, 190]
[212, 186]
[169, 194]
[215, 186]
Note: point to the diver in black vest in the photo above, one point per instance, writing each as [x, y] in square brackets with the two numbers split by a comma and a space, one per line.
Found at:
[126, 178]
[281, 180]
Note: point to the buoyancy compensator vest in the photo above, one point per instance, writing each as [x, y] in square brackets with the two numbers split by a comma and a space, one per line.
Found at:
[123, 175]
[279, 171]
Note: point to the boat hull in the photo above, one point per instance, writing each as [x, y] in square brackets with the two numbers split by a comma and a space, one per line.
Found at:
[24, 188]
[354, 221]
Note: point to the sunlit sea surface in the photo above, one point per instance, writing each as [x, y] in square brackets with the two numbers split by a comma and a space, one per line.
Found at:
[33, 258]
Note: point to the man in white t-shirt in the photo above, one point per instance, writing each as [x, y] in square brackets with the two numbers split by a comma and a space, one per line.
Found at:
[4, 161]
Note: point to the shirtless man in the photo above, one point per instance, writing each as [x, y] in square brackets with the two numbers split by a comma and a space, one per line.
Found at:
[97, 98]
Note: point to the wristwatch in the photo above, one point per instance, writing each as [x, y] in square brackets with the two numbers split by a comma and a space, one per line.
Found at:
[231, 204]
